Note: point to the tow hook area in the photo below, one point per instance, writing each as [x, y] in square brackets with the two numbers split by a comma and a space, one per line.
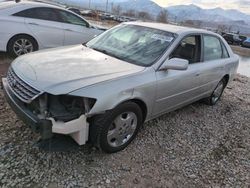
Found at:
[78, 129]
[58, 143]
[45, 129]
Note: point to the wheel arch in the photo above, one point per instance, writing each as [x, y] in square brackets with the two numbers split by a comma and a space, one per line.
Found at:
[226, 77]
[21, 34]
[140, 103]
[142, 106]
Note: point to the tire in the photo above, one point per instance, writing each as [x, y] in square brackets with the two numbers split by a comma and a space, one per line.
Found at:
[216, 95]
[114, 130]
[21, 44]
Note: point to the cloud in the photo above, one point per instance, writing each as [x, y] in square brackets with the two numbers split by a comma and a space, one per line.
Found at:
[243, 2]
[241, 5]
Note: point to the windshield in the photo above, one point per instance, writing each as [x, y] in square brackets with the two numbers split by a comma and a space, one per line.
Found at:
[134, 44]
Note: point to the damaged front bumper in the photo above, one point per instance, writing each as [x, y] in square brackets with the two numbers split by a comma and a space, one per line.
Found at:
[78, 128]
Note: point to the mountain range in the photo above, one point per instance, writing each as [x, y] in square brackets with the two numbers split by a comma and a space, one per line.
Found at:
[193, 12]
[182, 12]
[179, 13]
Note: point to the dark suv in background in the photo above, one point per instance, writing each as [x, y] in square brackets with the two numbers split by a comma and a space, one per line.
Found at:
[233, 38]
[246, 43]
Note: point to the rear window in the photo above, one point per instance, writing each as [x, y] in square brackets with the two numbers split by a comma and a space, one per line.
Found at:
[70, 18]
[41, 13]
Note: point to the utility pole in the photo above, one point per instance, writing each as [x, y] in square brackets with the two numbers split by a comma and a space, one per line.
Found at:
[107, 2]
[89, 3]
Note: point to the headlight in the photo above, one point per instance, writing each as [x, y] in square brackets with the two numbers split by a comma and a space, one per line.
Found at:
[62, 107]
[66, 108]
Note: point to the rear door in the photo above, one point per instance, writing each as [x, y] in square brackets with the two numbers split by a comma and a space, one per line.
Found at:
[44, 23]
[76, 29]
[215, 56]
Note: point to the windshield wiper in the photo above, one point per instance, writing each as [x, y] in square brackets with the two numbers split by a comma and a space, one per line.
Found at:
[123, 58]
[100, 50]
[107, 53]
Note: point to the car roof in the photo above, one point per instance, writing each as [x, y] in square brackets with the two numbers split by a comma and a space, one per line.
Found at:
[233, 34]
[171, 28]
[11, 7]
[11, 4]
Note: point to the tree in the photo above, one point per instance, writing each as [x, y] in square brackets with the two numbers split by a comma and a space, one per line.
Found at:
[129, 13]
[198, 23]
[222, 28]
[144, 15]
[188, 23]
[116, 9]
[162, 16]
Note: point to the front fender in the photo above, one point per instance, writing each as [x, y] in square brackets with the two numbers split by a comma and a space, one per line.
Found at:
[105, 99]
[114, 92]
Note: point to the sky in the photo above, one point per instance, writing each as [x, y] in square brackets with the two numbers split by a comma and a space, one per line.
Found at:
[241, 5]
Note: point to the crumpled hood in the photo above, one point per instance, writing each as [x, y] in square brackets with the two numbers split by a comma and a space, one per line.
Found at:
[65, 69]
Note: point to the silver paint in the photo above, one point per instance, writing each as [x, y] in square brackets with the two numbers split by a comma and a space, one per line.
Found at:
[80, 71]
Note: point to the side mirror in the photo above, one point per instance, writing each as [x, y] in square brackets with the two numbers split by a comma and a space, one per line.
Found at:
[175, 64]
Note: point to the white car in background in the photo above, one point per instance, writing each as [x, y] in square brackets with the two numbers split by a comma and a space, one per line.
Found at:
[29, 26]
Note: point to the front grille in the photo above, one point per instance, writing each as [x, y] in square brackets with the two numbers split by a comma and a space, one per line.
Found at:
[21, 89]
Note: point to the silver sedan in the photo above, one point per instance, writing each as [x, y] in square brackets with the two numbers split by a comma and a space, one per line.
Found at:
[103, 91]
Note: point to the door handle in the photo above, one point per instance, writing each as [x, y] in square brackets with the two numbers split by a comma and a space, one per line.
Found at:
[33, 23]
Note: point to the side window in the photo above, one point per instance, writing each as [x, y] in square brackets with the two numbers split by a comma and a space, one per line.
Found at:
[70, 18]
[189, 49]
[41, 13]
[225, 52]
[212, 48]
[28, 13]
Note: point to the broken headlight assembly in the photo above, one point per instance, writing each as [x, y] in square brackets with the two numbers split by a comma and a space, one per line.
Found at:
[61, 107]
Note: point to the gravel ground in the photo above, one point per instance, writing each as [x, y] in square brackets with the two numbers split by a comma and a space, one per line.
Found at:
[196, 146]
[241, 50]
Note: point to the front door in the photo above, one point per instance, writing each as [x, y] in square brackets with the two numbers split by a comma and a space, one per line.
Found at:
[176, 88]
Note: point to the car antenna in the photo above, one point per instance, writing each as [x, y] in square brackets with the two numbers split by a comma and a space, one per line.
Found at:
[17, 1]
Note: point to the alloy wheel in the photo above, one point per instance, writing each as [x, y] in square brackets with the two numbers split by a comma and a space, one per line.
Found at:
[217, 92]
[122, 129]
[22, 46]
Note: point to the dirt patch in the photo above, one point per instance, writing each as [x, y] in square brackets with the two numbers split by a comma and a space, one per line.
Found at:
[5, 61]
[241, 51]
[5, 58]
